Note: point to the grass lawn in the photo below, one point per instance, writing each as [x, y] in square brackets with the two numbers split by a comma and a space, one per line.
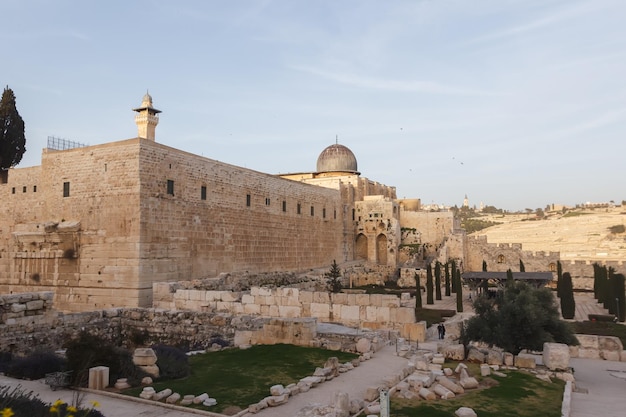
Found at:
[600, 328]
[237, 377]
[517, 395]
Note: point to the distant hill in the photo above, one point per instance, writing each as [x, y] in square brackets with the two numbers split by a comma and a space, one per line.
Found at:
[578, 234]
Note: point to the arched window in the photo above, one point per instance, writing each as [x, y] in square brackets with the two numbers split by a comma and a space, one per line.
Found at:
[500, 259]
[552, 267]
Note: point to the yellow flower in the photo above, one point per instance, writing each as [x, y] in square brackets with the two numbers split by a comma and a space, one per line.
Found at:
[54, 409]
[57, 403]
[71, 409]
[95, 403]
[7, 412]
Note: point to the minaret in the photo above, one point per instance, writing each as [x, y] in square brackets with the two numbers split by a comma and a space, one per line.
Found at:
[146, 118]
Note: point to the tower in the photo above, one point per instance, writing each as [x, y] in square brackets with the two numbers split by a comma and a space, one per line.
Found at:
[147, 118]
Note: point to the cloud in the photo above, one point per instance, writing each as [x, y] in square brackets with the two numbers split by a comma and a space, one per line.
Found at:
[409, 86]
[579, 9]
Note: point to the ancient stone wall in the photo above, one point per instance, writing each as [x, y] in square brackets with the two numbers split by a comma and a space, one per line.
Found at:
[373, 311]
[72, 226]
[501, 257]
[378, 230]
[98, 225]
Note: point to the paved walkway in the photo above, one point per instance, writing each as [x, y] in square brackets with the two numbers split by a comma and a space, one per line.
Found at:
[605, 383]
[109, 406]
[354, 383]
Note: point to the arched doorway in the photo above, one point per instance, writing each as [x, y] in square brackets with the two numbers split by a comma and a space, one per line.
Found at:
[381, 249]
[360, 247]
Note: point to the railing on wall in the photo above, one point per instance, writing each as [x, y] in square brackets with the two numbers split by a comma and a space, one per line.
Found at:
[60, 144]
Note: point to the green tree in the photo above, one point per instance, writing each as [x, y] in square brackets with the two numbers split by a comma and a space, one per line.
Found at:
[437, 281]
[429, 285]
[559, 277]
[522, 268]
[447, 277]
[459, 291]
[12, 139]
[509, 276]
[520, 317]
[620, 295]
[333, 278]
[568, 305]
[484, 266]
[452, 272]
[418, 295]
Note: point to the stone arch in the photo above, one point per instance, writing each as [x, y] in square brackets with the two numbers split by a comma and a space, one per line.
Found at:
[552, 267]
[360, 247]
[500, 259]
[381, 249]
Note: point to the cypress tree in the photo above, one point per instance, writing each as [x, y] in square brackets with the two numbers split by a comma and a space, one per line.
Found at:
[447, 275]
[12, 139]
[559, 278]
[596, 280]
[453, 272]
[459, 292]
[509, 276]
[620, 294]
[484, 266]
[437, 281]
[613, 292]
[522, 268]
[429, 285]
[568, 305]
[418, 295]
[606, 287]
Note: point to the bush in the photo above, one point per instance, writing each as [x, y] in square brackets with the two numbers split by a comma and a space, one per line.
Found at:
[520, 317]
[35, 366]
[5, 361]
[173, 363]
[26, 403]
[88, 351]
[618, 228]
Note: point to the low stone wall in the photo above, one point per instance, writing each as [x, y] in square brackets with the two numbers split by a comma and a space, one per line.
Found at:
[372, 311]
[187, 329]
[18, 308]
[609, 348]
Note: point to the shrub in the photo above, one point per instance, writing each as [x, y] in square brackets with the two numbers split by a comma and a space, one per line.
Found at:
[88, 351]
[173, 363]
[618, 228]
[17, 402]
[35, 366]
[5, 360]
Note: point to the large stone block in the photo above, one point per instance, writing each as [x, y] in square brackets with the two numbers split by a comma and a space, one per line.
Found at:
[144, 357]
[524, 360]
[320, 310]
[370, 313]
[98, 377]
[610, 343]
[405, 315]
[289, 311]
[34, 305]
[556, 356]
[588, 341]
[454, 352]
[350, 313]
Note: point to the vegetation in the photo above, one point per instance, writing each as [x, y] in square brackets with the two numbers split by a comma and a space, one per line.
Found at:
[472, 225]
[437, 281]
[333, 278]
[18, 402]
[559, 278]
[618, 228]
[520, 317]
[459, 292]
[447, 279]
[35, 366]
[429, 285]
[522, 268]
[173, 363]
[453, 272]
[568, 305]
[12, 139]
[432, 315]
[600, 328]
[235, 377]
[88, 351]
[418, 294]
[517, 395]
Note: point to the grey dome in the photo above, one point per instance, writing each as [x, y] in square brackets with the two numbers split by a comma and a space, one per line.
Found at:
[336, 158]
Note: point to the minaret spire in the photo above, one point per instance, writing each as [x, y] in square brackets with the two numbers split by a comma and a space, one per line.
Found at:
[147, 118]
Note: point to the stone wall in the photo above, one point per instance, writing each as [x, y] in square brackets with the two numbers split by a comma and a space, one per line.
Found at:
[26, 325]
[501, 257]
[99, 225]
[373, 311]
[20, 308]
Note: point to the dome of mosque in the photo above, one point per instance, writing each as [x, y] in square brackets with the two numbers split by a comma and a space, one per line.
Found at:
[336, 158]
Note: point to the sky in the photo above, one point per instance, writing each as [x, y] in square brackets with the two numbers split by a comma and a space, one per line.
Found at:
[515, 103]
